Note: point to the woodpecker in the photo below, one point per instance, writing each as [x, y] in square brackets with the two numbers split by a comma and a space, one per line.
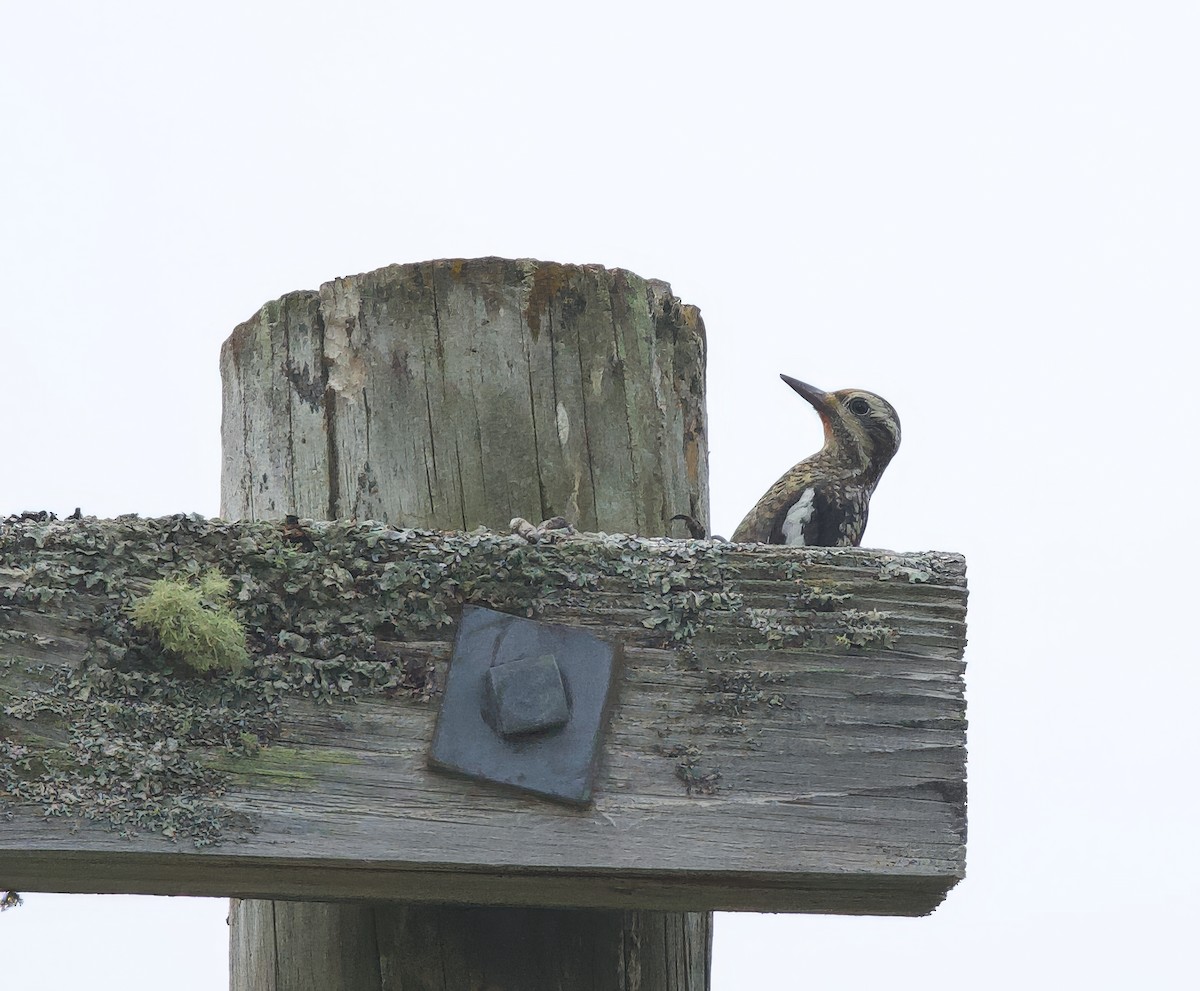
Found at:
[822, 501]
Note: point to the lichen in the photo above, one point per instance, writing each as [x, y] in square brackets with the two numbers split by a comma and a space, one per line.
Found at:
[193, 622]
[682, 586]
[695, 780]
[775, 627]
[127, 749]
[915, 568]
[737, 691]
[134, 738]
[866, 629]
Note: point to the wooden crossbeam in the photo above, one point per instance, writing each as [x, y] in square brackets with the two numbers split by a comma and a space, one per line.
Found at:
[789, 733]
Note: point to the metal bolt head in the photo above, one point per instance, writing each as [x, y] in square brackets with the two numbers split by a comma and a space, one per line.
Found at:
[525, 696]
[525, 705]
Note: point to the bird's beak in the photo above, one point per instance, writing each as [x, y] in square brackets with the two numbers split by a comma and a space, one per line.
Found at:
[816, 397]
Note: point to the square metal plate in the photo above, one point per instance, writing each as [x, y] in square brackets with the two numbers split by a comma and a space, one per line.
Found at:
[558, 761]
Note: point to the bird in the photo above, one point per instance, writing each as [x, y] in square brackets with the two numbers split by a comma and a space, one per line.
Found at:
[823, 500]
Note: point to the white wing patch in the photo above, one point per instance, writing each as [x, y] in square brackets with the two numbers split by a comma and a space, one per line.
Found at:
[799, 514]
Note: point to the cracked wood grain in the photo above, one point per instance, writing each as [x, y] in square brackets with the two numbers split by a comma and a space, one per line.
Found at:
[573, 390]
[765, 762]
[478, 372]
[499, 388]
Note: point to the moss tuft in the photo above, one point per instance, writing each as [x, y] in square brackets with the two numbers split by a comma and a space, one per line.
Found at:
[193, 621]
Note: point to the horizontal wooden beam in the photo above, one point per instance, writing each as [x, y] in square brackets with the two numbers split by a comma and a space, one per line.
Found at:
[789, 733]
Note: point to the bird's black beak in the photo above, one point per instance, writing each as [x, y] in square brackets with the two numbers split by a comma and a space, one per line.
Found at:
[816, 397]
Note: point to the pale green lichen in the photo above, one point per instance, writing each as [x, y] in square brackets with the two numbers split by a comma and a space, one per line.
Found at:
[331, 612]
[193, 621]
[775, 627]
[866, 629]
[688, 769]
[928, 566]
[738, 691]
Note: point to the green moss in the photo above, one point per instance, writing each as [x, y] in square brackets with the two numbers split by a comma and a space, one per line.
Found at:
[284, 767]
[193, 622]
[297, 757]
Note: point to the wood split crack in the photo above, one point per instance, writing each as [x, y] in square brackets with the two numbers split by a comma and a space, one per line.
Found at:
[292, 396]
[636, 485]
[329, 402]
[583, 405]
[537, 460]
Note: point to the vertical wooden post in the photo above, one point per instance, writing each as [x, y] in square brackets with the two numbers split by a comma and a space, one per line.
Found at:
[448, 395]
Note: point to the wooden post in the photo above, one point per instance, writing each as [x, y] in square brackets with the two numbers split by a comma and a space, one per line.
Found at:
[788, 734]
[453, 394]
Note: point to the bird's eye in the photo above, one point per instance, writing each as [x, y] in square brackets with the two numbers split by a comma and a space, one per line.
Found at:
[860, 406]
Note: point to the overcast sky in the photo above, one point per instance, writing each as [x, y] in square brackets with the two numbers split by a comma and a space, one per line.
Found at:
[986, 212]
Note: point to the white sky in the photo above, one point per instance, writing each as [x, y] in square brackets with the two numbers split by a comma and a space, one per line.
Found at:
[986, 212]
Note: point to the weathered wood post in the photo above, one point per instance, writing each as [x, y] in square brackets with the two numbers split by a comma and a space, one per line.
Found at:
[787, 734]
[450, 395]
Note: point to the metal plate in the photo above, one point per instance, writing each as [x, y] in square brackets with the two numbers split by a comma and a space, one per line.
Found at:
[502, 676]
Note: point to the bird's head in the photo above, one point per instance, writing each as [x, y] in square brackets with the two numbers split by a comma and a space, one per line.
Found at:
[862, 430]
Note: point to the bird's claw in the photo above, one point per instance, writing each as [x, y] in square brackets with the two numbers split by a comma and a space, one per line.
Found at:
[694, 526]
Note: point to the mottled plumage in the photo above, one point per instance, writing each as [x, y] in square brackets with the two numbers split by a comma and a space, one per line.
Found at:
[823, 501]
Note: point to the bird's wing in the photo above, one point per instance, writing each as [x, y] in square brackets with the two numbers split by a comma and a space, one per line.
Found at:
[789, 514]
[806, 508]
[817, 516]
[812, 519]
[796, 518]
